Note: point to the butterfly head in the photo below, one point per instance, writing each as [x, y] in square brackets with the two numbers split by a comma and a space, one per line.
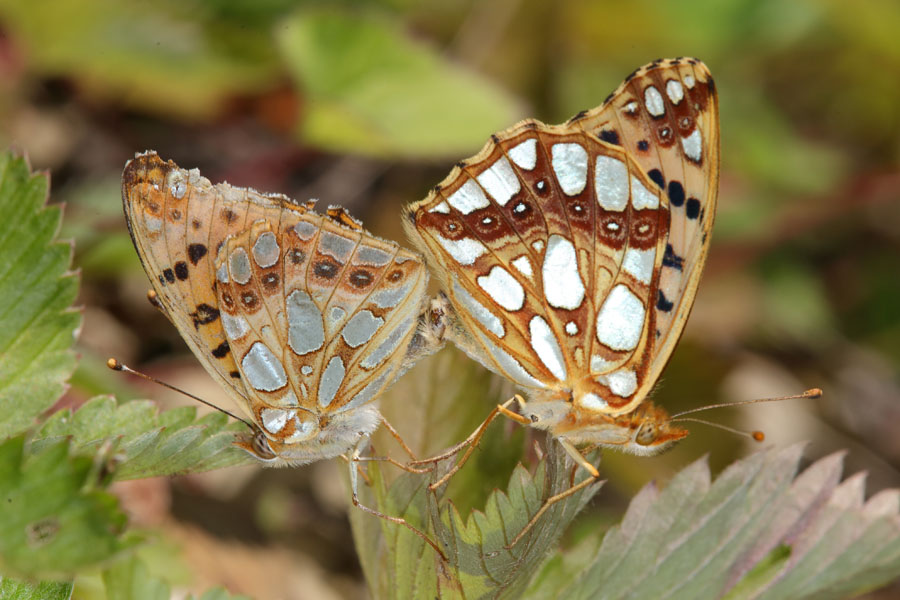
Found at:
[307, 438]
[646, 431]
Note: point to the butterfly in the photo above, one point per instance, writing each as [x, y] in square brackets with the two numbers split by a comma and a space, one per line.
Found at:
[570, 254]
[303, 319]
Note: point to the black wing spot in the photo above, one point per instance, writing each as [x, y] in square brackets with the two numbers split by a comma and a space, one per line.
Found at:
[169, 275]
[579, 115]
[672, 260]
[692, 210]
[181, 270]
[610, 136]
[676, 193]
[204, 314]
[196, 252]
[643, 145]
[662, 303]
[657, 177]
[221, 351]
[235, 375]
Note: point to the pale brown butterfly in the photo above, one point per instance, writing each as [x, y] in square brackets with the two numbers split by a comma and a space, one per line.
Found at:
[304, 319]
[570, 254]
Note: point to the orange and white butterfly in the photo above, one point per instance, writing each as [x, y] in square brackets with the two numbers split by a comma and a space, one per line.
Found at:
[304, 319]
[570, 254]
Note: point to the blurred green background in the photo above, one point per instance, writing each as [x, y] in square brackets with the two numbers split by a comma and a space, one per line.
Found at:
[368, 104]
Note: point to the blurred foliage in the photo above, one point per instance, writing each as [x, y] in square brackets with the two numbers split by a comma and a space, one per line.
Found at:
[800, 290]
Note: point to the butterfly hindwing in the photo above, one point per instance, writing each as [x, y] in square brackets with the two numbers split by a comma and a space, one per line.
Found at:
[304, 318]
[571, 254]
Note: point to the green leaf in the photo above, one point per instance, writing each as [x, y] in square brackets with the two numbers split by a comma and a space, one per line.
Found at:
[45, 590]
[157, 56]
[758, 531]
[399, 564]
[55, 520]
[148, 443]
[131, 580]
[479, 560]
[373, 90]
[36, 291]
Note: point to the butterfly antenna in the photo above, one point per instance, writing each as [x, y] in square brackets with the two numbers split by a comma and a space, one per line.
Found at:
[813, 393]
[757, 436]
[117, 366]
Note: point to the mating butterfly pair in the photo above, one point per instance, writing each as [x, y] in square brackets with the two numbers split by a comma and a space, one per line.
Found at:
[569, 256]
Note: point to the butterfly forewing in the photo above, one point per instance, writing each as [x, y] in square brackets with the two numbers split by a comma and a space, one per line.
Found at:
[177, 219]
[306, 318]
[666, 116]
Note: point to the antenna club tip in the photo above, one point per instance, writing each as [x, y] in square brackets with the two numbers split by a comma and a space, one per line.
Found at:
[813, 393]
[759, 436]
[114, 364]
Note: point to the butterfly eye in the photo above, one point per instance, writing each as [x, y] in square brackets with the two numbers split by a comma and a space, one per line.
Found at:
[261, 447]
[647, 434]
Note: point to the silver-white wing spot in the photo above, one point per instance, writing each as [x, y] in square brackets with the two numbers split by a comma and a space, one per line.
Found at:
[547, 347]
[611, 183]
[265, 250]
[305, 231]
[262, 368]
[674, 91]
[523, 266]
[235, 327]
[468, 198]
[441, 207]
[641, 197]
[390, 343]
[306, 332]
[503, 288]
[570, 163]
[563, 287]
[510, 365]
[653, 100]
[331, 380]
[465, 251]
[525, 154]
[336, 246]
[361, 328]
[622, 382]
[693, 145]
[489, 320]
[274, 419]
[239, 266]
[620, 320]
[500, 181]
[639, 263]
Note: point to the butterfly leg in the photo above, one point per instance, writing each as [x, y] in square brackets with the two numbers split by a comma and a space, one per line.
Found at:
[580, 461]
[354, 463]
[471, 442]
[406, 467]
